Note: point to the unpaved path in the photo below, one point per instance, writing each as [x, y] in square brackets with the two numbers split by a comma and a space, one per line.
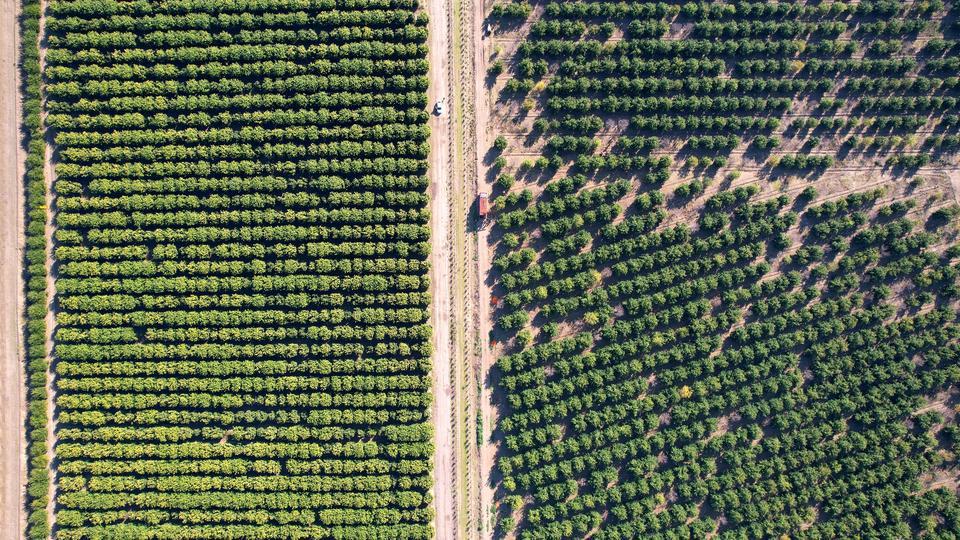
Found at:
[49, 177]
[12, 438]
[51, 319]
[444, 461]
[488, 450]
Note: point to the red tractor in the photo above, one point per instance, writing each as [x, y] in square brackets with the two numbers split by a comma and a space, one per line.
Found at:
[483, 208]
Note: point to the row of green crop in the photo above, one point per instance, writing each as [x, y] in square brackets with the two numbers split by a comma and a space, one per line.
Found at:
[38, 483]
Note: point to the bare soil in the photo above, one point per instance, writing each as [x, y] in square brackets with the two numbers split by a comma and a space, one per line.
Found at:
[444, 462]
[13, 412]
[49, 176]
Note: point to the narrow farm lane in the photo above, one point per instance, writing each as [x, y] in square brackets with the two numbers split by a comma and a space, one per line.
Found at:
[444, 463]
[483, 96]
[12, 442]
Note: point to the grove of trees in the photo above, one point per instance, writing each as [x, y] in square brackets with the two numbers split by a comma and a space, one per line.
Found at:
[242, 338]
[691, 350]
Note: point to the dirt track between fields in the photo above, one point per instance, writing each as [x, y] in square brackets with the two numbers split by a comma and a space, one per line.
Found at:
[444, 462]
[483, 97]
[49, 177]
[12, 439]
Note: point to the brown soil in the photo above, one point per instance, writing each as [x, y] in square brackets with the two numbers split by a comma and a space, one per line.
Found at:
[444, 462]
[12, 414]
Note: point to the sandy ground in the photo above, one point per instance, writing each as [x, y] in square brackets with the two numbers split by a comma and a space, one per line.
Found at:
[954, 177]
[445, 489]
[49, 174]
[488, 450]
[12, 440]
[51, 325]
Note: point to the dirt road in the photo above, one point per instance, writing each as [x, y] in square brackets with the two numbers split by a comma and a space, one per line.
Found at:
[488, 450]
[444, 462]
[12, 440]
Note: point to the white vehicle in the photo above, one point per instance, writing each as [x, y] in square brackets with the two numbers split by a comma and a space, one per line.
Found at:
[440, 107]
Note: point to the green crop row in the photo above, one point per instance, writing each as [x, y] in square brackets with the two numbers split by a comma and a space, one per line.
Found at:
[38, 482]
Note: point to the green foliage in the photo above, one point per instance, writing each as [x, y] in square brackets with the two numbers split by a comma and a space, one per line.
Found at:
[511, 10]
[743, 370]
[762, 142]
[945, 214]
[657, 317]
[243, 339]
[38, 476]
[804, 161]
[691, 189]
[909, 161]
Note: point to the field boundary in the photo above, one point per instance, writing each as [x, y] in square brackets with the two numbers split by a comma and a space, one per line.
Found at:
[487, 415]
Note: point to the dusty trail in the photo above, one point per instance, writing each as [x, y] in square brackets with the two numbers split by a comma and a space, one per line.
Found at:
[49, 177]
[444, 462]
[12, 414]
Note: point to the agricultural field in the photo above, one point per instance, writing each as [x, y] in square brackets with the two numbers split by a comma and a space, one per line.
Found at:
[724, 269]
[240, 245]
[716, 294]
